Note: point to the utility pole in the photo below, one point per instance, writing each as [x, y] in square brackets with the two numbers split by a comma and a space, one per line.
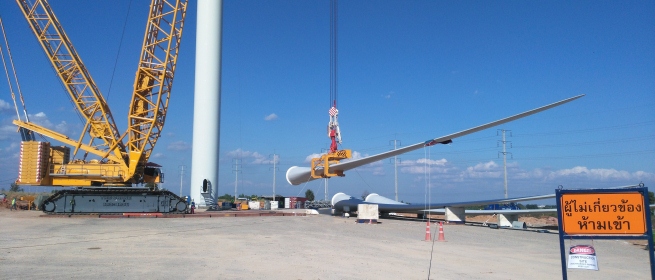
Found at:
[181, 177]
[236, 163]
[504, 152]
[395, 165]
[274, 171]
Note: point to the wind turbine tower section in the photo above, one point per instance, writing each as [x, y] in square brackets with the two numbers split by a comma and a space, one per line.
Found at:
[207, 98]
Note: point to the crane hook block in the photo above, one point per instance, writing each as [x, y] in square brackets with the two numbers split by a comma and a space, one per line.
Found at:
[323, 163]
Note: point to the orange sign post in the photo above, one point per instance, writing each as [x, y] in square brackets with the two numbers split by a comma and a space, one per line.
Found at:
[604, 214]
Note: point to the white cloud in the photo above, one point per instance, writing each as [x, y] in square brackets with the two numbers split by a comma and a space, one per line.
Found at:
[309, 158]
[643, 176]
[528, 174]
[271, 117]
[600, 174]
[253, 157]
[5, 106]
[178, 146]
[158, 155]
[12, 146]
[423, 165]
[483, 170]
[378, 171]
[61, 127]
[9, 131]
[441, 162]
[42, 119]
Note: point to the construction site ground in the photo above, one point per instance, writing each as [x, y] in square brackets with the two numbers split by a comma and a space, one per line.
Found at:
[291, 247]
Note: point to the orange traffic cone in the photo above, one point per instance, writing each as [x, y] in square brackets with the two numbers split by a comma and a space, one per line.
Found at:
[427, 232]
[441, 237]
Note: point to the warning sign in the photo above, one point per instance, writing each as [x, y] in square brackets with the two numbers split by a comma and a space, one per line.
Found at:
[603, 213]
[583, 257]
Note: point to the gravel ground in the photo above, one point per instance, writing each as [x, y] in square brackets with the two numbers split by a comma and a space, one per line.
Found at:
[312, 247]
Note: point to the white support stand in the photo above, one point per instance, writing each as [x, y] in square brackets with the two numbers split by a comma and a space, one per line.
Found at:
[505, 220]
[455, 215]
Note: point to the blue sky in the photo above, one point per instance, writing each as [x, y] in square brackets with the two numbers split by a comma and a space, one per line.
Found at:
[408, 70]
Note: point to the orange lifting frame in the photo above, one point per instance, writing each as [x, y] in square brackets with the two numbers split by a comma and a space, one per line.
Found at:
[328, 159]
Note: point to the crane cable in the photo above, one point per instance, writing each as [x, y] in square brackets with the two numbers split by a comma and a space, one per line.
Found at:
[333, 52]
[26, 135]
[11, 61]
[120, 44]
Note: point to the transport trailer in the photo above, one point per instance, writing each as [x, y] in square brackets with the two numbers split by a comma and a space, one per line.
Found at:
[113, 200]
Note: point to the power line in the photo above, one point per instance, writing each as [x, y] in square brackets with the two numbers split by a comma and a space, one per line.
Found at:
[590, 143]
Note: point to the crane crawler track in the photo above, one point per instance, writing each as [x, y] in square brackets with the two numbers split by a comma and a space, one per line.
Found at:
[113, 201]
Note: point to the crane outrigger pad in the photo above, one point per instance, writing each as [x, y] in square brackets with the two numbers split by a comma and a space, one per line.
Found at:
[113, 200]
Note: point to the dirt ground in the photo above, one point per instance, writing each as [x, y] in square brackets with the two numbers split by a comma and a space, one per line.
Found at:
[307, 247]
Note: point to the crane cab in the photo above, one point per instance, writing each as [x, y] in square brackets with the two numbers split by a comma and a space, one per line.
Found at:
[152, 173]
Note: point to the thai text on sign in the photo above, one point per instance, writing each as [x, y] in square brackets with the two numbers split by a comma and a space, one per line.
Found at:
[603, 213]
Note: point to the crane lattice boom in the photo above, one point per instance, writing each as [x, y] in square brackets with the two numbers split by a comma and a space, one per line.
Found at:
[154, 79]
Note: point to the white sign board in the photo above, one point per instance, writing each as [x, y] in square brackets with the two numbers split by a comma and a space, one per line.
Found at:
[367, 212]
[583, 257]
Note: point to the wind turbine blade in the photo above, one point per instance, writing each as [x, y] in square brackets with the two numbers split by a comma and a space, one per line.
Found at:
[298, 175]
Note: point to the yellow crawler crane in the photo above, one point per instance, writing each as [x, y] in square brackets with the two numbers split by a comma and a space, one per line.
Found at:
[118, 164]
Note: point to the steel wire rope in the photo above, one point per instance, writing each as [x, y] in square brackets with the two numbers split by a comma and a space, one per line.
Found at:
[360, 176]
[429, 168]
[304, 185]
[333, 52]
[4, 64]
[425, 179]
[431, 255]
[429, 201]
[118, 53]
